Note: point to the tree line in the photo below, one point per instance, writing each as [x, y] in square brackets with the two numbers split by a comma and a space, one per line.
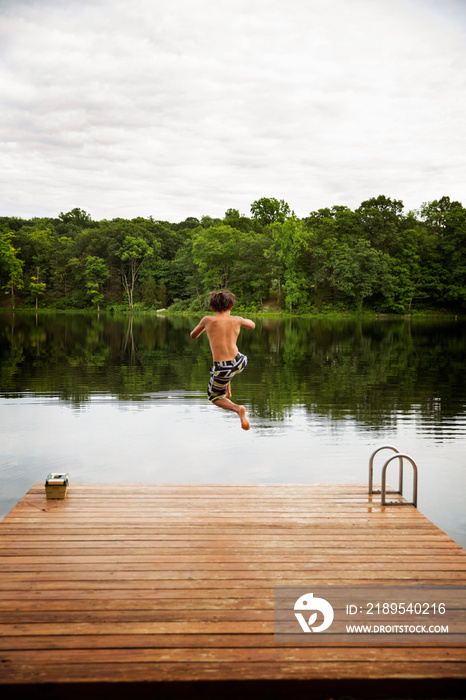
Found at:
[375, 256]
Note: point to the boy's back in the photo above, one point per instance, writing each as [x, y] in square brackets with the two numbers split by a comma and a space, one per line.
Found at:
[222, 331]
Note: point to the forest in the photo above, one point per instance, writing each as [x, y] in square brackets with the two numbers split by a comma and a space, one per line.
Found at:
[375, 258]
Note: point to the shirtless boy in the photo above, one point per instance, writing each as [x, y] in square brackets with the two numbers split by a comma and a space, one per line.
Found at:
[222, 331]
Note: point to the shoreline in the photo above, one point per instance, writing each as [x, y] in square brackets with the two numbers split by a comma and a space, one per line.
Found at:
[369, 314]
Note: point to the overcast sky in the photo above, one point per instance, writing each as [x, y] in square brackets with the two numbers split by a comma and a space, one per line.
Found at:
[176, 108]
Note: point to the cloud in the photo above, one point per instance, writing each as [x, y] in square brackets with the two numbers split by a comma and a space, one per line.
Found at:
[177, 108]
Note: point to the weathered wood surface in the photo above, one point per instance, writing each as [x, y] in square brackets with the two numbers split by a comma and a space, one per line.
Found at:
[173, 584]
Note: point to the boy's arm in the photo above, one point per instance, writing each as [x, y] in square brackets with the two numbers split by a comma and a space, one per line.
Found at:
[200, 328]
[246, 323]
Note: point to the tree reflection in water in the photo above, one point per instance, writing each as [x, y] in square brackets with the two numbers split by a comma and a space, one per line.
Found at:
[373, 371]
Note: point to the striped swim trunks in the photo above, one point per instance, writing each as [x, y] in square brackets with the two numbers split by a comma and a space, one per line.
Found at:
[221, 373]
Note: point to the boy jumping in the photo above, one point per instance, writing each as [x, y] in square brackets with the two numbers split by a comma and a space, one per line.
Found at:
[222, 331]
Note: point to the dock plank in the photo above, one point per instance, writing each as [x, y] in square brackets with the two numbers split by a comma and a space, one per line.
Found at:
[171, 586]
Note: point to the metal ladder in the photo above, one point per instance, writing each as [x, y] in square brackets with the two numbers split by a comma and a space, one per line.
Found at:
[400, 456]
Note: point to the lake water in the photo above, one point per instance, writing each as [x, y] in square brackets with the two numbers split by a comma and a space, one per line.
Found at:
[116, 399]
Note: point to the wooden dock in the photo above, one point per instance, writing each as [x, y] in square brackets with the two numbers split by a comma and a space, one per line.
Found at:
[167, 591]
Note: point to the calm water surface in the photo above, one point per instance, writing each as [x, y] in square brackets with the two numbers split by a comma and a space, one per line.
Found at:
[121, 400]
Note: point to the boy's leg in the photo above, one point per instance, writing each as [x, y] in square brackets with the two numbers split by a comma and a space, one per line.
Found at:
[240, 410]
[228, 391]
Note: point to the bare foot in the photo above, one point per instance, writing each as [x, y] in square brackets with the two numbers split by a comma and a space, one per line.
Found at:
[240, 410]
[245, 424]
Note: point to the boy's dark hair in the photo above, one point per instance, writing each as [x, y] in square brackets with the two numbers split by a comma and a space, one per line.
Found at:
[222, 300]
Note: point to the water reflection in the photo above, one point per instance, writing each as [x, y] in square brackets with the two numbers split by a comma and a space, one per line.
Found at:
[377, 373]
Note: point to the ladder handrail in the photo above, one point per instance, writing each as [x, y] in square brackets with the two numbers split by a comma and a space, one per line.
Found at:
[371, 468]
[384, 477]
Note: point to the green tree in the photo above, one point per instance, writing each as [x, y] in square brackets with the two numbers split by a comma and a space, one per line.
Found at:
[183, 277]
[446, 222]
[97, 273]
[149, 292]
[75, 272]
[215, 251]
[254, 267]
[11, 267]
[406, 270]
[37, 289]
[161, 294]
[437, 214]
[238, 221]
[290, 240]
[361, 271]
[73, 222]
[381, 222]
[60, 280]
[330, 228]
[42, 244]
[269, 210]
[132, 254]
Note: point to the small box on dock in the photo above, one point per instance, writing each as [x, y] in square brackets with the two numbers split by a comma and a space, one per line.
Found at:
[56, 485]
